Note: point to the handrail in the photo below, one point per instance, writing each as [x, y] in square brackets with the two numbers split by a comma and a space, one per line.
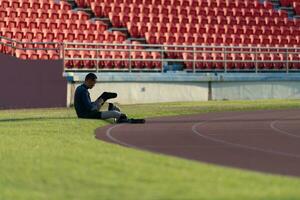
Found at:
[280, 54]
[176, 45]
[15, 45]
[178, 60]
[21, 42]
[159, 50]
[151, 45]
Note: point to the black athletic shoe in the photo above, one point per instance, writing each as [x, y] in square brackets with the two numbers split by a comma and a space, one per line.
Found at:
[108, 95]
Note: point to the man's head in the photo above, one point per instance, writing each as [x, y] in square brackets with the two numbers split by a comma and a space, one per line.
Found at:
[90, 80]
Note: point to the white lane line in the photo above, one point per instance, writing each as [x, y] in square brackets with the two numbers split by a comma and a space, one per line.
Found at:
[278, 130]
[109, 135]
[194, 129]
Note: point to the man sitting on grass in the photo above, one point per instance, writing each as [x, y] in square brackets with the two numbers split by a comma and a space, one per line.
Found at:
[85, 108]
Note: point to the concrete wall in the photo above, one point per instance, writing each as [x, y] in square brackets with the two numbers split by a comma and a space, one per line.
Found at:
[256, 90]
[31, 83]
[137, 93]
[170, 87]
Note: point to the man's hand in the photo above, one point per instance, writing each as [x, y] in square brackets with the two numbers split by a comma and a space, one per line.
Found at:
[100, 101]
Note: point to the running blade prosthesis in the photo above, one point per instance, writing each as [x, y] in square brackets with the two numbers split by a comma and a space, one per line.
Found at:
[136, 121]
[131, 121]
[108, 95]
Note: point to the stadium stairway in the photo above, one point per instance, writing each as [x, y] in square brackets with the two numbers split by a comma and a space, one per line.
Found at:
[80, 5]
[168, 66]
[105, 20]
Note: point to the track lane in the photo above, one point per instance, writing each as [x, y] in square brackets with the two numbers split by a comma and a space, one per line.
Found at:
[236, 139]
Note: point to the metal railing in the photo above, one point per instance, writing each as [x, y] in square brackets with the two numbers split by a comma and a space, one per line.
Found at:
[216, 58]
[151, 57]
[11, 46]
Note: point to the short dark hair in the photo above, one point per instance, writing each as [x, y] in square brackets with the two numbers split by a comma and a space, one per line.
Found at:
[91, 76]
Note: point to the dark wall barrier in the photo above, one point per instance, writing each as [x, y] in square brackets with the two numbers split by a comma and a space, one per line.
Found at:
[31, 83]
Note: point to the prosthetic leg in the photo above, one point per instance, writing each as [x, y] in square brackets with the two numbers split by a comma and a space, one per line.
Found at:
[124, 118]
[108, 95]
[111, 107]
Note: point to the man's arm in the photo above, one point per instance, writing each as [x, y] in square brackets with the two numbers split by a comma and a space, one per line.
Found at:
[86, 100]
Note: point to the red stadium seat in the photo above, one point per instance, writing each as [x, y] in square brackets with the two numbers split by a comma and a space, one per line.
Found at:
[215, 22]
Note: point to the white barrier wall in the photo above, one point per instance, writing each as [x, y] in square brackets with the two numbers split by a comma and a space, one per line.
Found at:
[138, 93]
[256, 90]
[157, 92]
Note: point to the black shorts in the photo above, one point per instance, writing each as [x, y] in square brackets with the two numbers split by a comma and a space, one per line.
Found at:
[92, 115]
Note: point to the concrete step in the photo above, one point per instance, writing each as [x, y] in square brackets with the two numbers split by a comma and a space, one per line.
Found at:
[141, 40]
[103, 19]
[276, 3]
[297, 16]
[290, 11]
[123, 30]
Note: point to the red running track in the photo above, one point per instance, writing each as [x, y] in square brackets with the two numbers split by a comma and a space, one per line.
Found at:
[265, 141]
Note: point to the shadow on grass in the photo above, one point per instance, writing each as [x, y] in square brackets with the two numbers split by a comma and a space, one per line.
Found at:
[35, 119]
[160, 120]
[47, 118]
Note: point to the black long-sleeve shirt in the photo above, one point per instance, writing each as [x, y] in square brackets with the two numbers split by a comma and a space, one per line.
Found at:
[82, 101]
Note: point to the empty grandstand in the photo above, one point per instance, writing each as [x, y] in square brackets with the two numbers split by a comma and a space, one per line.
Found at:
[194, 35]
[121, 36]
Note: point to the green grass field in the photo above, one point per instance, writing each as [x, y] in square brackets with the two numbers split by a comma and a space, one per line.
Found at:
[50, 154]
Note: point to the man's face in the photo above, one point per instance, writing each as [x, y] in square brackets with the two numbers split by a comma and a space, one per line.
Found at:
[90, 83]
